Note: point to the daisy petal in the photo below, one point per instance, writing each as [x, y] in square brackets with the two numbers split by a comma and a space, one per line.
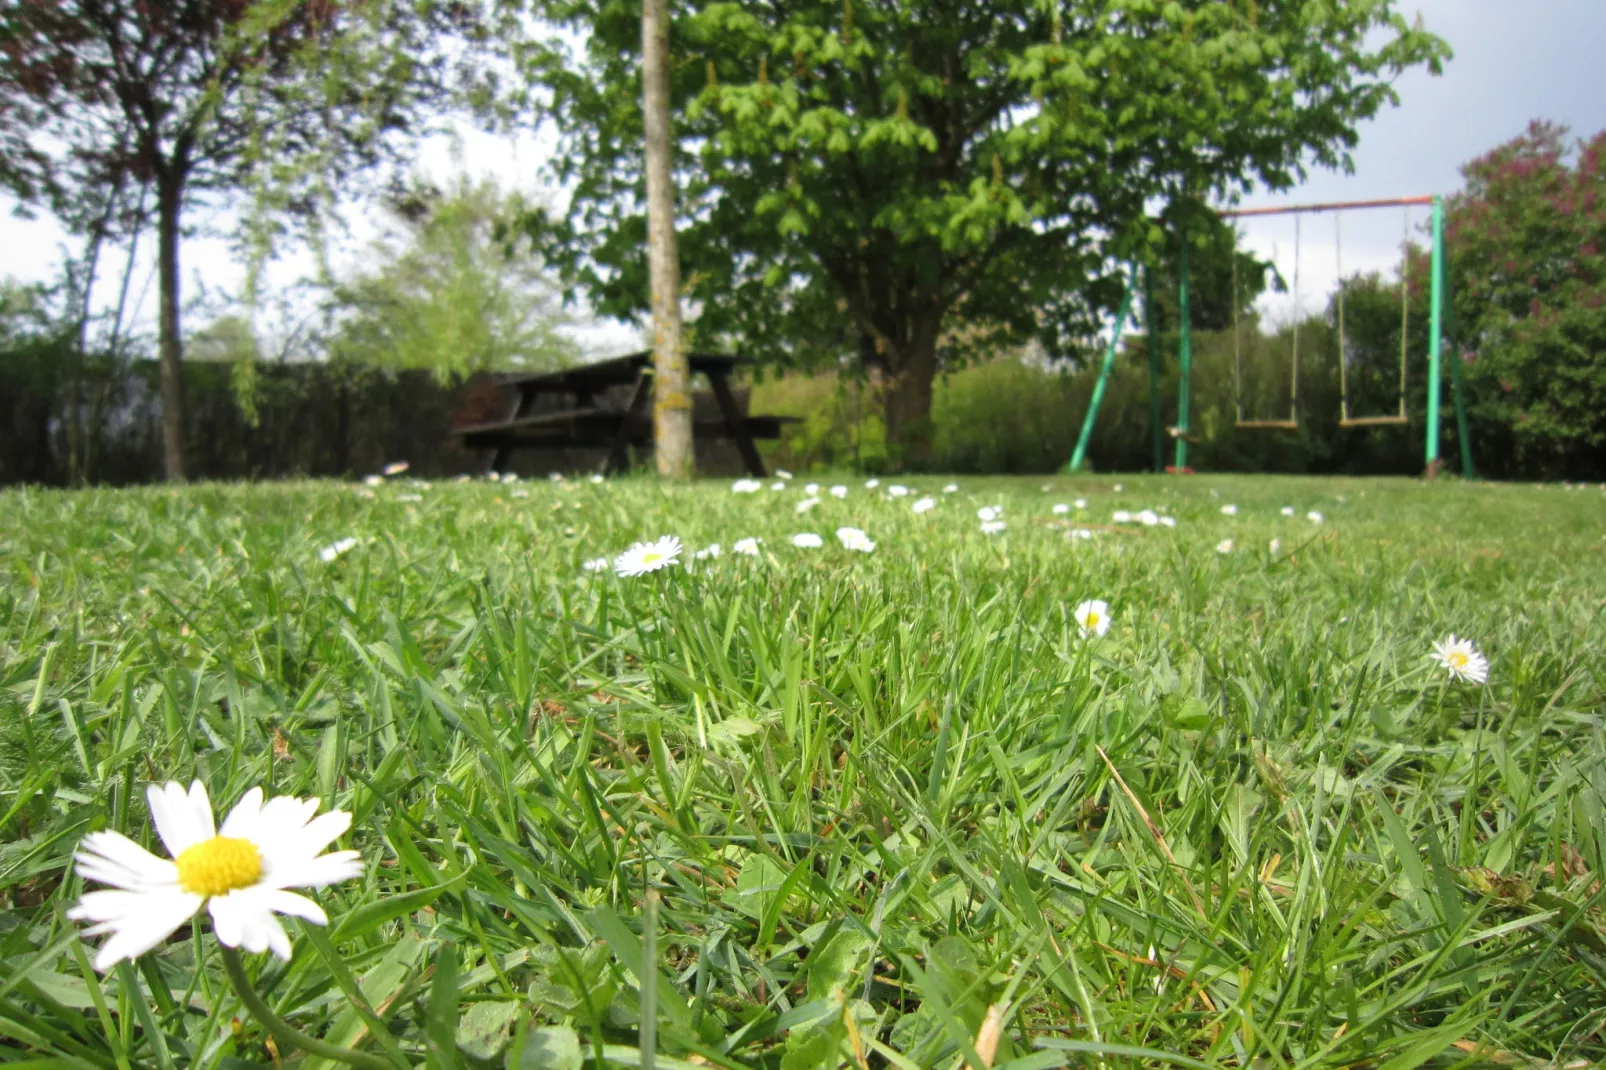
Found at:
[242, 820]
[315, 872]
[112, 858]
[137, 932]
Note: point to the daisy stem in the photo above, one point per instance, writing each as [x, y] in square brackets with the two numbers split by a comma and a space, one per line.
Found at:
[283, 1031]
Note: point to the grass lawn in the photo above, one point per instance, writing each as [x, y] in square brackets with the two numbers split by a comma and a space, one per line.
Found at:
[874, 809]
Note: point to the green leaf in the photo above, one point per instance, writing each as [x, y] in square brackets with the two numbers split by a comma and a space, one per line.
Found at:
[553, 1047]
[370, 916]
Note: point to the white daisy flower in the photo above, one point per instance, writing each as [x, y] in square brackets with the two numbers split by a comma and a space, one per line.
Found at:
[1119, 488]
[711, 550]
[519, 494]
[925, 504]
[988, 513]
[365, 493]
[746, 486]
[1080, 503]
[871, 484]
[1079, 533]
[806, 504]
[1120, 516]
[1276, 544]
[1461, 659]
[896, 491]
[1094, 617]
[855, 539]
[596, 477]
[1229, 510]
[749, 547]
[513, 477]
[807, 540]
[992, 527]
[812, 490]
[395, 468]
[1148, 518]
[1224, 546]
[555, 477]
[336, 549]
[596, 564]
[1288, 510]
[777, 485]
[1061, 509]
[647, 557]
[373, 481]
[409, 497]
[462, 477]
[1314, 517]
[1168, 521]
[781, 473]
[241, 874]
[952, 488]
[839, 491]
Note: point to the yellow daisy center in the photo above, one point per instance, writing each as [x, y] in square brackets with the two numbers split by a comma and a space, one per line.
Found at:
[1092, 619]
[651, 557]
[1458, 659]
[219, 865]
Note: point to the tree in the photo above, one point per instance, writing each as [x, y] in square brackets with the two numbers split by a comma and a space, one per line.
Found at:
[672, 429]
[200, 97]
[857, 176]
[1527, 262]
[447, 294]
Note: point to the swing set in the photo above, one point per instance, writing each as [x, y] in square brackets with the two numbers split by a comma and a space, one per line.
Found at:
[1348, 419]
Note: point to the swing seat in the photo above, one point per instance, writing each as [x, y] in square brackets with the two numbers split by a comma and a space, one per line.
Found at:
[1373, 421]
[1267, 425]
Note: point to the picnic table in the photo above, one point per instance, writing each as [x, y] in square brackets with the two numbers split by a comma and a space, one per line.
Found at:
[581, 407]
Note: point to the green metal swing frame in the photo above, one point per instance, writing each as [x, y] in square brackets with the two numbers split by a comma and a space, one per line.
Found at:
[1181, 431]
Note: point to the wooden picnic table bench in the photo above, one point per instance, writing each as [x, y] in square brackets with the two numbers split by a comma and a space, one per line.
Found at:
[587, 417]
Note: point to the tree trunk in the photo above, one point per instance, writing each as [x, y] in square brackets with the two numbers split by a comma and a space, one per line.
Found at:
[169, 199]
[906, 400]
[671, 411]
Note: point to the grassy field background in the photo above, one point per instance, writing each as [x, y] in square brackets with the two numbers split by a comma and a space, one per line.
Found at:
[891, 806]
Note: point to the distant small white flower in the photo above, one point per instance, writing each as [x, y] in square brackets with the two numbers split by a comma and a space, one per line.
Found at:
[1168, 521]
[1229, 510]
[807, 540]
[1045, 488]
[519, 494]
[373, 481]
[1314, 517]
[1340, 498]
[806, 504]
[335, 549]
[1080, 503]
[1461, 659]
[1119, 488]
[781, 473]
[925, 504]
[409, 497]
[1148, 518]
[952, 488]
[596, 564]
[1276, 544]
[1121, 516]
[1094, 617]
[366, 494]
[992, 527]
[395, 468]
[777, 485]
[1079, 533]
[513, 477]
[645, 557]
[462, 477]
[812, 490]
[711, 550]
[839, 491]
[1061, 509]
[596, 477]
[746, 486]
[747, 547]
[988, 513]
[1288, 510]
[855, 539]
[897, 491]
[871, 484]
[421, 484]
[1224, 546]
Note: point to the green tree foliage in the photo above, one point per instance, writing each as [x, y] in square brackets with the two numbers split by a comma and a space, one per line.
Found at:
[859, 178]
[448, 295]
[1527, 249]
[207, 97]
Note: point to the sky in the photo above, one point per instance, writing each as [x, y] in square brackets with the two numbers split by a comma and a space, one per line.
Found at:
[1515, 61]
